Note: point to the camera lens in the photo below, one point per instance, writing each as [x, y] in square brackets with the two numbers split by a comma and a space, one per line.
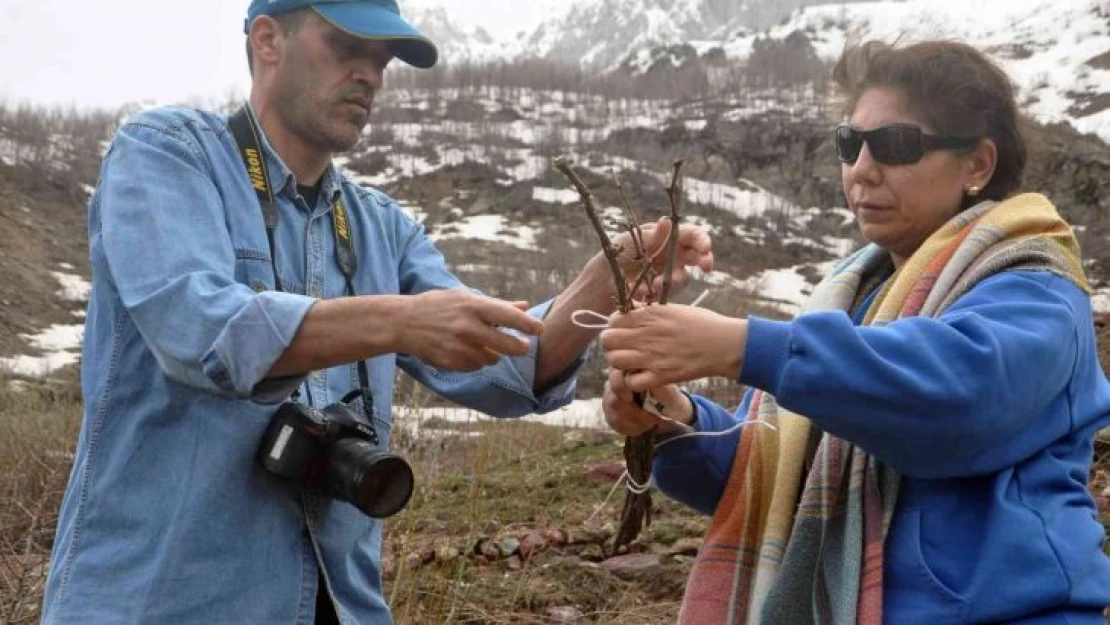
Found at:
[377, 483]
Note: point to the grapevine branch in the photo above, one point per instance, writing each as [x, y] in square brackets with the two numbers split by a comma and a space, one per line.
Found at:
[624, 302]
[674, 193]
[638, 450]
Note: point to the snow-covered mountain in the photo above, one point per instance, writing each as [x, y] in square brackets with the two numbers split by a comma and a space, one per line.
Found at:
[1057, 51]
[598, 33]
[603, 32]
[457, 40]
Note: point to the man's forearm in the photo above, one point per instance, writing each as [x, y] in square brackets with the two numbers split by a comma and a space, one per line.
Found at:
[562, 341]
[342, 330]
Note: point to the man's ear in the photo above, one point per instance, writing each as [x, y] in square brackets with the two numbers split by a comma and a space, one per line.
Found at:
[981, 163]
[267, 40]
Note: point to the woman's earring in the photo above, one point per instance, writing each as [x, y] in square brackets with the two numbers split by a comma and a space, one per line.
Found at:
[973, 190]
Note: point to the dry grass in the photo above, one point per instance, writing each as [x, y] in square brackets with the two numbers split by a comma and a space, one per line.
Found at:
[514, 479]
[479, 484]
[38, 429]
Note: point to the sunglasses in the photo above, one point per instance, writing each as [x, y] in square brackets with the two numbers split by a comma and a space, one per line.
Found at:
[895, 144]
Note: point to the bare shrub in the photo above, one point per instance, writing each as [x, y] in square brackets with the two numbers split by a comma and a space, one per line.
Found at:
[55, 150]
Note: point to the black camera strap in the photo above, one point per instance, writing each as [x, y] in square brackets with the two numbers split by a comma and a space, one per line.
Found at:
[244, 128]
[245, 131]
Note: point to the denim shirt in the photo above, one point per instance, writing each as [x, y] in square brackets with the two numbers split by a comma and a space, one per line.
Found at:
[167, 517]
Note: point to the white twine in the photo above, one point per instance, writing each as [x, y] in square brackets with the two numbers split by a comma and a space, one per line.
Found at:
[604, 321]
[688, 432]
[699, 299]
[590, 326]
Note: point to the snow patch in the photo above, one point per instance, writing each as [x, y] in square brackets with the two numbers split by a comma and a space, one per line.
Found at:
[60, 342]
[57, 342]
[750, 201]
[581, 413]
[1100, 301]
[74, 288]
[554, 196]
[493, 228]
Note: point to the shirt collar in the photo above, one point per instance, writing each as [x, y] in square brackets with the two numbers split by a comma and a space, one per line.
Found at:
[282, 178]
[332, 183]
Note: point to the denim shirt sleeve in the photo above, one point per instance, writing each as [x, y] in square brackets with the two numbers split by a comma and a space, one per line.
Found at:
[501, 390]
[159, 220]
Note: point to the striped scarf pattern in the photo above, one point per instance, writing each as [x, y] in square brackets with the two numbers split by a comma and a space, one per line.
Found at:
[770, 557]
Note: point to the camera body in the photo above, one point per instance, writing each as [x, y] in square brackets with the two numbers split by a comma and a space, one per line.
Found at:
[330, 451]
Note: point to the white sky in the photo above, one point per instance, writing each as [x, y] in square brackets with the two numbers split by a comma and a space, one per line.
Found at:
[111, 52]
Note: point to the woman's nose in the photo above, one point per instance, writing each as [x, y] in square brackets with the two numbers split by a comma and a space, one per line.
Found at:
[865, 169]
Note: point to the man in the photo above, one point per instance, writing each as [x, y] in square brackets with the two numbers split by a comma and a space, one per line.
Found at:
[234, 269]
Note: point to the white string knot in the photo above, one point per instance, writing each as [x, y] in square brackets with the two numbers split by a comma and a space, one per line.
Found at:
[633, 487]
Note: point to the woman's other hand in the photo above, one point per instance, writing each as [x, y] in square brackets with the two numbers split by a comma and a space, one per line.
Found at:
[625, 417]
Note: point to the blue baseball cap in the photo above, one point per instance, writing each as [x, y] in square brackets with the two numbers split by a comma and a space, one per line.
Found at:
[369, 19]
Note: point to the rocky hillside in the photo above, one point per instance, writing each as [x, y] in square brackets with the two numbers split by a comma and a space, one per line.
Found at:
[474, 164]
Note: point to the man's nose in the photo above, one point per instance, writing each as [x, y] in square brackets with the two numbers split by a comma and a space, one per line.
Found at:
[370, 72]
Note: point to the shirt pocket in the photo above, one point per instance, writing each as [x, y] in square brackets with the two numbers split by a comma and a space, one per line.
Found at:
[253, 268]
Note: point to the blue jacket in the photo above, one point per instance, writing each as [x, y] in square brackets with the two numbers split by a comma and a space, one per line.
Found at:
[167, 517]
[989, 413]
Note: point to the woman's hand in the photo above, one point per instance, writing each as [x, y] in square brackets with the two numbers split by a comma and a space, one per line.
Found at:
[659, 345]
[625, 417]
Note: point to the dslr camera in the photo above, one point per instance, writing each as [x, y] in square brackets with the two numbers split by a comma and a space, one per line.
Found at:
[330, 451]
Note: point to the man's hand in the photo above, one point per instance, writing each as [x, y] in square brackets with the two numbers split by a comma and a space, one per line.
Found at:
[694, 249]
[458, 330]
[625, 417]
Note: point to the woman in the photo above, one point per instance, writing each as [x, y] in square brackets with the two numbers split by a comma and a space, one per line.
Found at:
[934, 405]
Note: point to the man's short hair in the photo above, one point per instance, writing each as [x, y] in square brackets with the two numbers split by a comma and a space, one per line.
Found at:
[290, 22]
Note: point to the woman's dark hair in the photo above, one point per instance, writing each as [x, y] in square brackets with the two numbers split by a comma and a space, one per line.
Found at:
[950, 85]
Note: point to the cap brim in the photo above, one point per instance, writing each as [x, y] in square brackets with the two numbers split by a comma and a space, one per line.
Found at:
[369, 21]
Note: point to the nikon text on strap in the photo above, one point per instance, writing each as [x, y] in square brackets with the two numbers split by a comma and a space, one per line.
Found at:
[244, 127]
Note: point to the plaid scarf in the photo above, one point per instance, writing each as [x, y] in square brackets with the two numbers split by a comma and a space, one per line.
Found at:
[772, 558]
